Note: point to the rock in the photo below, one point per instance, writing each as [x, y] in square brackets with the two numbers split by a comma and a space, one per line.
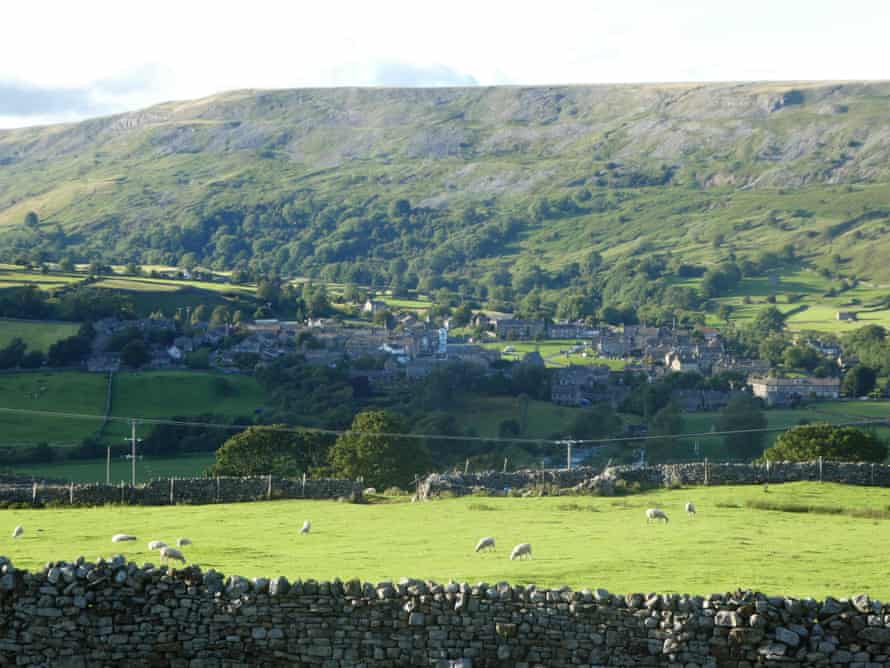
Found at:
[787, 636]
[727, 618]
[416, 619]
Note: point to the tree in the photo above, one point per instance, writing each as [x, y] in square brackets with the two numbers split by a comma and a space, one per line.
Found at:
[666, 422]
[401, 208]
[768, 321]
[269, 450]
[220, 316]
[12, 355]
[135, 353]
[598, 421]
[373, 450]
[743, 413]
[858, 381]
[811, 441]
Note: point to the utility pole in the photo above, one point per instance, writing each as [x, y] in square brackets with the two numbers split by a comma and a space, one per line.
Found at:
[568, 443]
[133, 440]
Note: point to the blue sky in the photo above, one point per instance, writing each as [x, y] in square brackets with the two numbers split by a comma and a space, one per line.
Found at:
[62, 61]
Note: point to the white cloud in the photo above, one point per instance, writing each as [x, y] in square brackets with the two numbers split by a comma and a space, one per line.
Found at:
[123, 56]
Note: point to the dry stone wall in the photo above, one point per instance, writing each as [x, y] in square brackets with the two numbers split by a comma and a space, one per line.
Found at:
[113, 613]
[167, 491]
[696, 473]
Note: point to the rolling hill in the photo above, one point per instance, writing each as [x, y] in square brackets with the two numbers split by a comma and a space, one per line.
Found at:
[451, 184]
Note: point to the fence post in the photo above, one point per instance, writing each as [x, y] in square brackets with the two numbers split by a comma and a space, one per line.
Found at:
[34, 493]
[269, 490]
[71, 493]
[707, 473]
[872, 474]
[505, 464]
[820, 468]
[171, 489]
[217, 489]
[122, 491]
[304, 485]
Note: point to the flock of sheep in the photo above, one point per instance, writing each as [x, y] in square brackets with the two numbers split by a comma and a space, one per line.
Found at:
[168, 553]
[525, 549]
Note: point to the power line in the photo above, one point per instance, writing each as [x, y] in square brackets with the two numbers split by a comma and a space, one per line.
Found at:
[447, 437]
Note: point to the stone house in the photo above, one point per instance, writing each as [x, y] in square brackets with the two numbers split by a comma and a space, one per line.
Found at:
[510, 328]
[788, 391]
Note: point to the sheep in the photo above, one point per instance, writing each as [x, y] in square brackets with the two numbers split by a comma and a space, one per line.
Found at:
[486, 543]
[156, 545]
[18, 531]
[183, 541]
[306, 526]
[521, 550]
[690, 508]
[168, 553]
[122, 537]
[656, 514]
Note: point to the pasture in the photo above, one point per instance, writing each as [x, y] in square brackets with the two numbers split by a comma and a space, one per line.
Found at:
[93, 470]
[38, 334]
[577, 541]
[150, 394]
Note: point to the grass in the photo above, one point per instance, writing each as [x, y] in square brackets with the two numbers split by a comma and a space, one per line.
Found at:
[93, 470]
[39, 335]
[150, 394]
[484, 414]
[725, 547]
[554, 351]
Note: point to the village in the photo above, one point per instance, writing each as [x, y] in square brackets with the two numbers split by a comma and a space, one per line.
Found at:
[591, 365]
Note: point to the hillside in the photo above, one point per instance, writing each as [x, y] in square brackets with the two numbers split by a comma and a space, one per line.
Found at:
[309, 182]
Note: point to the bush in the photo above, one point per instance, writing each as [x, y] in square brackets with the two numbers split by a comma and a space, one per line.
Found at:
[809, 442]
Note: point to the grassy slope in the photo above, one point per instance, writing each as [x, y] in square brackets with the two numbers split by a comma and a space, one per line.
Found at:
[38, 335]
[455, 147]
[581, 542]
[144, 394]
[146, 468]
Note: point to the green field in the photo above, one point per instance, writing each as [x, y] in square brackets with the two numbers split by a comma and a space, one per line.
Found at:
[577, 541]
[554, 351]
[39, 335]
[183, 466]
[150, 394]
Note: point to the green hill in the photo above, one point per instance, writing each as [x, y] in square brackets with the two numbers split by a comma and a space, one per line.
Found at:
[446, 186]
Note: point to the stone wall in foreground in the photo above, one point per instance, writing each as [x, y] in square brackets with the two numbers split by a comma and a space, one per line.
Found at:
[169, 491]
[113, 613]
[696, 473]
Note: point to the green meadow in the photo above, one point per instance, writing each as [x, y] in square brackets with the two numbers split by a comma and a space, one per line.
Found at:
[576, 541]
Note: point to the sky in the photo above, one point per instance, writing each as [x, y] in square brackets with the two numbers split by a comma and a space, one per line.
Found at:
[64, 61]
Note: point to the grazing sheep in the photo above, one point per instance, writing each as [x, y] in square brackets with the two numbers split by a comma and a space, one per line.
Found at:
[168, 553]
[122, 537]
[306, 526]
[183, 541]
[656, 514]
[156, 545]
[486, 543]
[521, 550]
[690, 508]
[18, 531]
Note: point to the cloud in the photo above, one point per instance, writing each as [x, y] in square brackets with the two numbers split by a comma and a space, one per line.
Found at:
[22, 100]
[405, 75]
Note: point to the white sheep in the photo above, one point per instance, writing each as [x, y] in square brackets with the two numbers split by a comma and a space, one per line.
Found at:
[183, 541]
[168, 553]
[656, 514]
[156, 545]
[122, 538]
[18, 531]
[690, 508]
[486, 543]
[521, 550]
[306, 526]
